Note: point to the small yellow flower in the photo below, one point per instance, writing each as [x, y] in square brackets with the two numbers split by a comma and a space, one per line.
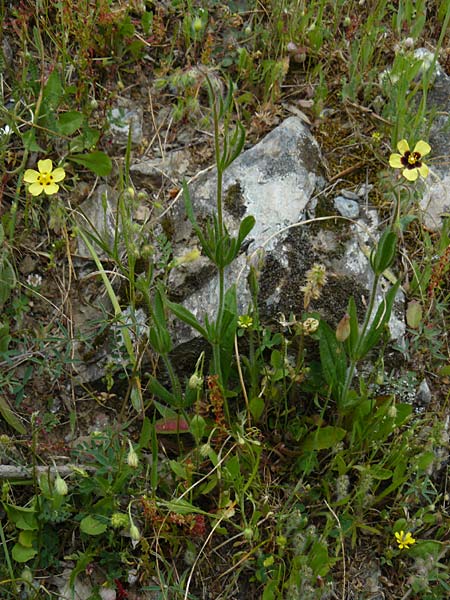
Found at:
[411, 162]
[245, 322]
[45, 179]
[404, 540]
[376, 137]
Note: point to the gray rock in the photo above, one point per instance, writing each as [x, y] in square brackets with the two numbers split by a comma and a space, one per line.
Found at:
[97, 216]
[174, 167]
[123, 117]
[424, 393]
[436, 199]
[276, 181]
[346, 207]
[272, 181]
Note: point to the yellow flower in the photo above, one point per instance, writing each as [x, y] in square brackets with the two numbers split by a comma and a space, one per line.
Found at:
[411, 162]
[245, 322]
[404, 540]
[44, 180]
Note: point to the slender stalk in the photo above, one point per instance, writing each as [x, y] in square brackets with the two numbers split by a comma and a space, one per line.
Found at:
[354, 361]
[219, 186]
[7, 557]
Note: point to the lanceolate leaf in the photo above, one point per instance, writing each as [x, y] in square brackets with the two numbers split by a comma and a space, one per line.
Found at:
[382, 317]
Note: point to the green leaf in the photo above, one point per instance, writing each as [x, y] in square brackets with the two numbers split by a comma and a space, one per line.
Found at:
[23, 518]
[178, 469]
[323, 438]
[382, 317]
[87, 140]
[318, 559]
[332, 356]
[97, 162]
[92, 526]
[187, 317]
[379, 473]
[426, 549]
[7, 279]
[52, 92]
[10, 417]
[382, 258]
[26, 538]
[29, 141]
[22, 554]
[197, 427]
[146, 433]
[161, 392]
[244, 229]
[352, 341]
[69, 122]
[180, 506]
[424, 460]
[5, 338]
[256, 406]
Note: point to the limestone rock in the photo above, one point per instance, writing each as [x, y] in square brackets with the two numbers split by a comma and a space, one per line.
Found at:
[436, 200]
[174, 167]
[123, 117]
[277, 182]
[97, 216]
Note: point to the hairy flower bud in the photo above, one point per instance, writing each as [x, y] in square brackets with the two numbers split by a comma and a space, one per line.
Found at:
[61, 486]
[132, 458]
[195, 381]
[343, 328]
[135, 534]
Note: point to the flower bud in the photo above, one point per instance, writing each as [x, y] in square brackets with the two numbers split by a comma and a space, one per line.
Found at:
[343, 328]
[61, 486]
[135, 534]
[132, 458]
[197, 24]
[195, 381]
[414, 314]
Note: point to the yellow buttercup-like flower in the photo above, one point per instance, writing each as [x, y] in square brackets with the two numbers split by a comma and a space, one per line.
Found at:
[45, 179]
[411, 162]
[404, 540]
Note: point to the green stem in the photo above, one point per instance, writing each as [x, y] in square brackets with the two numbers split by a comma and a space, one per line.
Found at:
[354, 361]
[7, 557]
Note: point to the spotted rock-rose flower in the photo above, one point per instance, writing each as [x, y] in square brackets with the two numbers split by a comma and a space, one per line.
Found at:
[411, 161]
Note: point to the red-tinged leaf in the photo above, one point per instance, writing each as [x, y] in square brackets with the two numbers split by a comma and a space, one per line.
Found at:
[172, 425]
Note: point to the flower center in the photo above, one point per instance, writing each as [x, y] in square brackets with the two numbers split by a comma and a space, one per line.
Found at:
[45, 179]
[411, 160]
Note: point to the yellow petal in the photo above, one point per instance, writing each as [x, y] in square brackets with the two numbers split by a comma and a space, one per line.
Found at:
[45, 166]
[403, 146]
[411, 174]
[35, 189]
[58, 174]
[51, 189]
[424, 170]
[395, 161]
[30, 176]
[422, 148]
